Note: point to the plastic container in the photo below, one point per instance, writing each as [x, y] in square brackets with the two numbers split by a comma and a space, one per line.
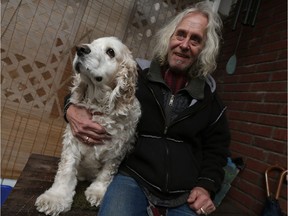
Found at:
[5, 191]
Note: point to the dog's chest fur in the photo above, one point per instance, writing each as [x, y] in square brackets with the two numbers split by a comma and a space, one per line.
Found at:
[91, 158]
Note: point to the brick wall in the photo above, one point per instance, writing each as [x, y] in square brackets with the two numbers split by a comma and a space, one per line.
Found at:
[256, 96]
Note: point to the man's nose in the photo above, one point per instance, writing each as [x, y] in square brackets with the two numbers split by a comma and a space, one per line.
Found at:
[185, 44]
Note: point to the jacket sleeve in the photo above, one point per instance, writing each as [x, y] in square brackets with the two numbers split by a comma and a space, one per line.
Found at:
[216, 140]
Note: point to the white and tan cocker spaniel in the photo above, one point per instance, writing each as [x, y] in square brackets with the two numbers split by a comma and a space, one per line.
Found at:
[105, 83]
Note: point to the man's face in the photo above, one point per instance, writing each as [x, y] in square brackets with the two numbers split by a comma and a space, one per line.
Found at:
[187, 41]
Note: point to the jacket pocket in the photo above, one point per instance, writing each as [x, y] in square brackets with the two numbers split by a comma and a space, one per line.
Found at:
[148, 161]
[183, 165]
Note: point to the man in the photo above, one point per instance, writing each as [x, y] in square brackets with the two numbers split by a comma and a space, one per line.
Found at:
[183, 137]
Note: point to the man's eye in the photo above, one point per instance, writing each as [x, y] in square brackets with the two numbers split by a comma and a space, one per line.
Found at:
[110, 52]
[196, 39]
[180, 37]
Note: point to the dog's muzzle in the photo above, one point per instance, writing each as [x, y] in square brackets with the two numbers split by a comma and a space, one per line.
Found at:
[78, 66]
[81, 52]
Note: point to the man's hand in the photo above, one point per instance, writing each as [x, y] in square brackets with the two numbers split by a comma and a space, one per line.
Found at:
[83, 127]
[199, 200]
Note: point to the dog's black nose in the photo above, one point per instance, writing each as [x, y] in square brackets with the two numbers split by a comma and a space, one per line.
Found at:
[82, 50]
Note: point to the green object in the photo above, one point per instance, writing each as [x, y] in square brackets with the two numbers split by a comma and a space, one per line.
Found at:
[231, 171]
[231, 64]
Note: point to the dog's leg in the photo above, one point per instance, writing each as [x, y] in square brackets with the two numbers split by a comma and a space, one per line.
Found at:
[59, 197]
[95, 192]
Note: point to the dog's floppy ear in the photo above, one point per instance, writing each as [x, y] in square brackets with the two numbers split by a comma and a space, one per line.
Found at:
[126, 79]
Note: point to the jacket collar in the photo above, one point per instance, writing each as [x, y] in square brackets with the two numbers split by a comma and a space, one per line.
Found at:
[195, 86]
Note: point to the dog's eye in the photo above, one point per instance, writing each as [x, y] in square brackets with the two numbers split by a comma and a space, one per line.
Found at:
[110, 52]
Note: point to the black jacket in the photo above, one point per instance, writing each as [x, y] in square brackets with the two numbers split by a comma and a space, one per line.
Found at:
[182, 140]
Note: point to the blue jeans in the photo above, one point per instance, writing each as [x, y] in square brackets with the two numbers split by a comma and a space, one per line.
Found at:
[124, 197]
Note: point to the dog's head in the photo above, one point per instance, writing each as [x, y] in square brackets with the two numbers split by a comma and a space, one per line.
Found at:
[107, 62]
[101, 60]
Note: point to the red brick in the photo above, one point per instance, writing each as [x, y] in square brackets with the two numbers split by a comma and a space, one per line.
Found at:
[251, 49]
[272, 120]
[271, 66]
[277, 27]
[252, 189]
[249, 151]
[282, 55]
[274, 36]
[267, 108]
[230, 79]
[236, 155]
[235, 105]
[267, 10]
[281, 8]
[280, 134]
[243, 116]
[280, 159]
[252, 78]
[241, 137]
[245, 69]
[234, 147]
[255, 129]
[270, 144]
[284, 110]
[256, 165]
[250, 96]
[242, 198]
[226, 97]
[275, 45]
[269, 86]
[280, 97]
[233, 125]
[281, 75]
[236, 88]
[257, 59]
[251, 176]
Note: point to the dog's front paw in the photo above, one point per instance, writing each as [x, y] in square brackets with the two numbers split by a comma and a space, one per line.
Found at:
[53, 203]
[94, 194]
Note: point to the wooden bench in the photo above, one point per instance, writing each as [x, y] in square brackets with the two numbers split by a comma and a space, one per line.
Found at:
[38, 176]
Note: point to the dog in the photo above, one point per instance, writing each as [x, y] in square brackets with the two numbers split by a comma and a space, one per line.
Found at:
[104, 82]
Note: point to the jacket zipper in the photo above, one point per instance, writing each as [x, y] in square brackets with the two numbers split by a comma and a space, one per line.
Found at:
[171, 100]
[168, 115]
[168, 111]
[167, 173]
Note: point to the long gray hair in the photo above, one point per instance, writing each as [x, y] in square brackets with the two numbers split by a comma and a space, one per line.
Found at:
[206, 62]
